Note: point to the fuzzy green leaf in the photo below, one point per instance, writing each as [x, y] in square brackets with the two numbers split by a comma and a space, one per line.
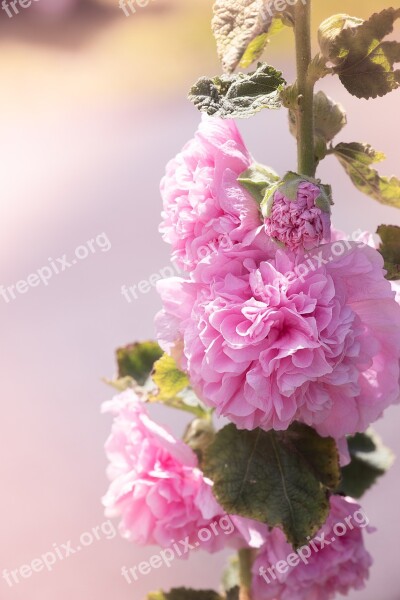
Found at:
[363, 61]
[257, 179]
[329, 120]
[236, 24]
[370, 459]
[241, 29]
[240, 95]
[357, 159]
[390, 249]
[137, 360]
[279, 478]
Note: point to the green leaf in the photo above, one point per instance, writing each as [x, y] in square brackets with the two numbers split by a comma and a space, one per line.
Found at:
[257, 179]
[390, 249]
[329, 117]
[235, 24]
[241, 29]
[370, 459]
[329, 33]
[329, 120]
[240, 95]
[281, 478]
[173, 387]
[137, 360]
[185, 594]
[357, 159]
[363, 61]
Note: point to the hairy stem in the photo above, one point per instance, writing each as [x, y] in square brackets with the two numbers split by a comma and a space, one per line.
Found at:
[245, 564]
[305, 110]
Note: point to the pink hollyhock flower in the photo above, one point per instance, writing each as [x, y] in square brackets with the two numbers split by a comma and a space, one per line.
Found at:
[335, 562]
[158, 490]
[290, 339]
[299, 223]
[205, 209]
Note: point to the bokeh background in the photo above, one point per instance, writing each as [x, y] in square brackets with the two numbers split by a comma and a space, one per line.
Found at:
[93, 104]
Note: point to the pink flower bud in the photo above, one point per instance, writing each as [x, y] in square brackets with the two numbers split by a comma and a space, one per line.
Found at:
[301, 222]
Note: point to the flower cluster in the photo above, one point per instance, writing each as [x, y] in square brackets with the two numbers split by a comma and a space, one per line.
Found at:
[161, 496]
[265, 339]
[273, 325]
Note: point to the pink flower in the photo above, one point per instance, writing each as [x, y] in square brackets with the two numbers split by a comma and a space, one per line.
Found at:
[158, 490]
[290, 339]
[205, 209]
[327, 568]
[298, 223]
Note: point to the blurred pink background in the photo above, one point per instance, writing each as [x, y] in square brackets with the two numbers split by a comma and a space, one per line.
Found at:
[92, 106]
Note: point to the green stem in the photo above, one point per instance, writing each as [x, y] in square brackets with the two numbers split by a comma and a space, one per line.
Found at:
[305, 111]
[245, 564]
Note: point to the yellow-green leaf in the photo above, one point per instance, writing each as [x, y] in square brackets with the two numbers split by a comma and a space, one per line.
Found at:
[357, 159]
[173, 387]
